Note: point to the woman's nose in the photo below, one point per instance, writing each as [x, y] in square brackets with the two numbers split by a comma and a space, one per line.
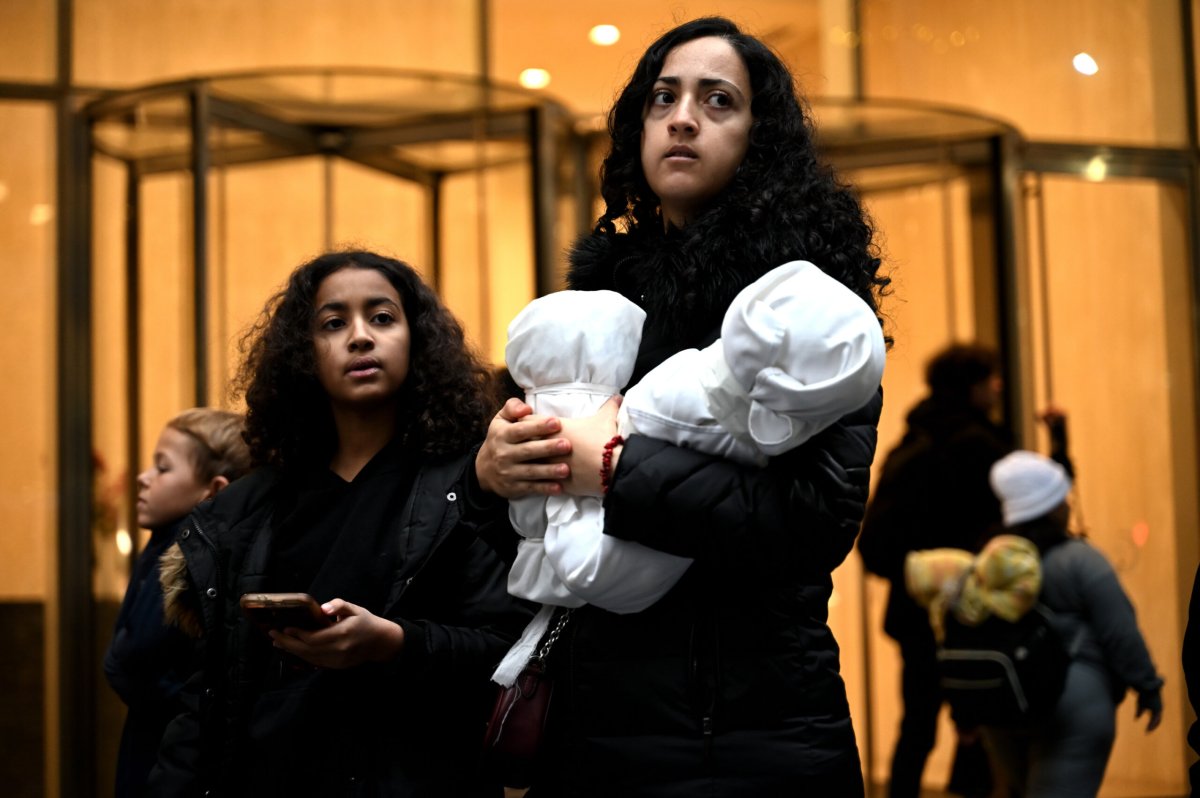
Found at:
[682, 119]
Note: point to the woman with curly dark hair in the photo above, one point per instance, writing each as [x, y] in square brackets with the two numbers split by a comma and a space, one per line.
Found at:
[364, 403]
[729, 685]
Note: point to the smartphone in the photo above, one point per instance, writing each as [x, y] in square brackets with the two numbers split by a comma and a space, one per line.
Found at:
[284, 610]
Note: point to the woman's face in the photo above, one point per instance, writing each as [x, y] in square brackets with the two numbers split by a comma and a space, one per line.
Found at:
[696, 126]
[361, 339]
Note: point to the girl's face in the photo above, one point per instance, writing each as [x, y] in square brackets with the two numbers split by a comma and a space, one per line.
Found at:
[169, 489]
[696, 126]
[361, 339]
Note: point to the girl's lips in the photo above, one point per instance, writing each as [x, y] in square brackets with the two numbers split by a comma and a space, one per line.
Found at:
[363, 367]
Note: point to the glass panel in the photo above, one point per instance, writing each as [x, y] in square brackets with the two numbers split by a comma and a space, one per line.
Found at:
[126, 42]
[28, 41]
[922, 219]
[265, 219]
[491, 281]
[28, 476]
[988, 57]
[1111, 335]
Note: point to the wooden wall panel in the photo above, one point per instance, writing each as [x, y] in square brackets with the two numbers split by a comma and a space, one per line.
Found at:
[28, 473]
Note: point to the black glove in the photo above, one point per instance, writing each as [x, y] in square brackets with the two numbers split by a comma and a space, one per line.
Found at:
[1150, 701]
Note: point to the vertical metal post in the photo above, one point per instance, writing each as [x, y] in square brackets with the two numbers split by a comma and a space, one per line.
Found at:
[542, 162]
[73, 627]
[200, 166]
[70, 686]
[433, 215]
[133, 381]
[1004, 206]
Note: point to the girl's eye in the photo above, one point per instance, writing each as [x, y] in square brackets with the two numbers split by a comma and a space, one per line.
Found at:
[332, 323]
[383, 317]
[720, 100]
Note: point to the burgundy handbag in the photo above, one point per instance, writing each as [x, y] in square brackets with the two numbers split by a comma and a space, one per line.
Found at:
[514, 733]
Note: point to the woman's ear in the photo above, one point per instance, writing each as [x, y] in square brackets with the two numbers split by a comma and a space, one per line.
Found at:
[215, 486]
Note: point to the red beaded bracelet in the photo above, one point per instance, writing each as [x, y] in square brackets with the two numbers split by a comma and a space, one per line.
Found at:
[606, 462]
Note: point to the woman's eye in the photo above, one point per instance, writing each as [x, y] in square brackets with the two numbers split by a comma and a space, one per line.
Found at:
[720, 100]
[661, 97]
[382, 318]
[332, 323]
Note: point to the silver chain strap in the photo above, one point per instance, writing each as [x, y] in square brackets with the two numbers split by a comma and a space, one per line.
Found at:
[553, 636]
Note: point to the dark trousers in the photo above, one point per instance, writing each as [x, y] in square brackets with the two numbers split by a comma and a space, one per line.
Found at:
[922, 697]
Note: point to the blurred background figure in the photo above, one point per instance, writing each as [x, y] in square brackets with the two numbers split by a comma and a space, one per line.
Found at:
[199, 452]
[1065, 757]
[933, 493]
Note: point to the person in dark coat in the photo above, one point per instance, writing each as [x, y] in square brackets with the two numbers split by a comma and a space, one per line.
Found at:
[364, 405]
[199, 452]
[729, 685]
[1191, 676]
[933, 492]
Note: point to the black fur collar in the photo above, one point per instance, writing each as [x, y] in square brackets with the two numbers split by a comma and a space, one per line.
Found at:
[683, 279]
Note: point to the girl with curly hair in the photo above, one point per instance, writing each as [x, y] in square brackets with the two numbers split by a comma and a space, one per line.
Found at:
[728, 685]
[363, 404]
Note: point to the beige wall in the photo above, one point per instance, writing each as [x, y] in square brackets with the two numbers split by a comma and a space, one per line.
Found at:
[28, 477]
[127, 42]
[1013, 60]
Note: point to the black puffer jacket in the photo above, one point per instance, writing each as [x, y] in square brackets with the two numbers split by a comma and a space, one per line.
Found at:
[933, 493]
[411, 727]
[729, 685]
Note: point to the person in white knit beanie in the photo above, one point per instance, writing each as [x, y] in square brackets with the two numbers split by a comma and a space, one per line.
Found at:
[1066, 756]
[1028, 485]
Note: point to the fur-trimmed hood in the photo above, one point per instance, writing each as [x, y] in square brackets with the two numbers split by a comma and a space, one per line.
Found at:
[683, 279]
[180, 607]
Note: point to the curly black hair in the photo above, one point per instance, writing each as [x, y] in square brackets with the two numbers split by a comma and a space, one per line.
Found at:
[786, 200]
[442, 407]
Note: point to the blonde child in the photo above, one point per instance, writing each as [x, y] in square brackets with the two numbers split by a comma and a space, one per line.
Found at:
[198, 453]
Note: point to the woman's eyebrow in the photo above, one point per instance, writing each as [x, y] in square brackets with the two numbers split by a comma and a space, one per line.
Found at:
[705, 83]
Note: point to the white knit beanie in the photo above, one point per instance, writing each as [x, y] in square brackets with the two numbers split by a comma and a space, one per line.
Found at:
[1029, 485]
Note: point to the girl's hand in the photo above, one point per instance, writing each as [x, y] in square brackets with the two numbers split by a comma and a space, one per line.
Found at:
[513, 459]
[358, 636]
[588, 435]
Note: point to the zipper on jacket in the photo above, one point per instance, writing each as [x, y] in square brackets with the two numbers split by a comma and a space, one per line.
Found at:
[442, 535]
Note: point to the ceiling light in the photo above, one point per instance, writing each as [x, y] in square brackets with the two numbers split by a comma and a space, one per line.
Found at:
[604, 35]
[40, 214]
[534, 78]
[1084, 64]
[1096, 169]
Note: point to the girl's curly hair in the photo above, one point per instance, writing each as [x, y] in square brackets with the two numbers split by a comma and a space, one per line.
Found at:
[441, 408]
[790, 203]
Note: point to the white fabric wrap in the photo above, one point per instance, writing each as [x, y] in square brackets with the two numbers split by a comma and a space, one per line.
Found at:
[805, 349]
[672, 403]
[570, 351]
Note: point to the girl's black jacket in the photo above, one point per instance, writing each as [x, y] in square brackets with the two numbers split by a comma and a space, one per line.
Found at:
[730, 685]
[262, 724]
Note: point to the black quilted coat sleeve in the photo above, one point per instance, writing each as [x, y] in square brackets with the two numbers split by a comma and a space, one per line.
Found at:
[804, 504]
